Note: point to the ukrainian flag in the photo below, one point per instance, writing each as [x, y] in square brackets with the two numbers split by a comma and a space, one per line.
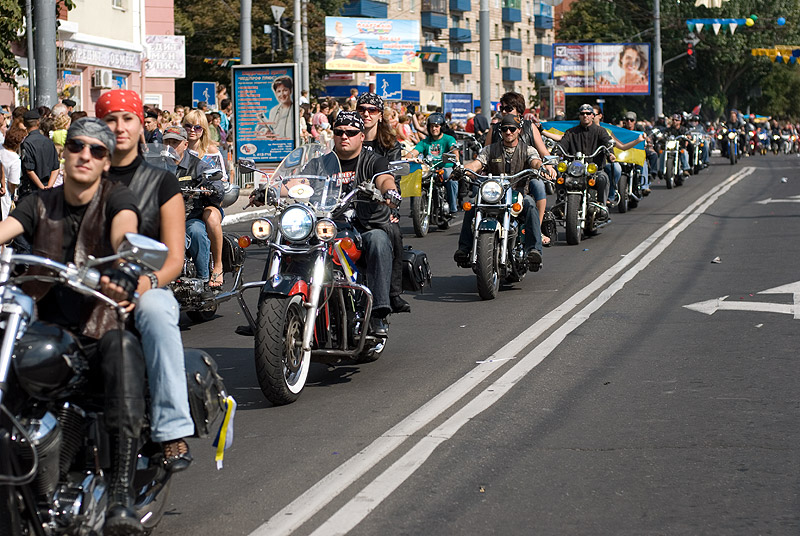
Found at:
[411, 184]
[635, 155]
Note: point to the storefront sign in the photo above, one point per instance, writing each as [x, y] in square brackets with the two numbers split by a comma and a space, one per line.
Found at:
[112, 58]
[166, 56]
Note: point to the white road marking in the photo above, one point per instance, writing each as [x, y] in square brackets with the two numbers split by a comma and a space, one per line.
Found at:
[767, 201]
[291, 517]
[709, 307]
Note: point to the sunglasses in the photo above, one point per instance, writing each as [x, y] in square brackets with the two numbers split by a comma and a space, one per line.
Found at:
[630, 119]
[507, 109]
[345, 132]
[587, 113]
[76, 146]
[508, 129]
[367, 110]
[196, 128]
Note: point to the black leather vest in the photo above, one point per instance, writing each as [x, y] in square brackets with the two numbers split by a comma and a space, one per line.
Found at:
[145, 184]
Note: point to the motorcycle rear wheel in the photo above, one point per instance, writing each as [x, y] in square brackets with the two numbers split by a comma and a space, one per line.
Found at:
[281, 364]
[419, 214]
[622, 191]
[573, 225]
[487, 268]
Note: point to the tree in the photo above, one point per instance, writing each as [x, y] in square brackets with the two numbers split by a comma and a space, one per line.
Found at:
[11, 12]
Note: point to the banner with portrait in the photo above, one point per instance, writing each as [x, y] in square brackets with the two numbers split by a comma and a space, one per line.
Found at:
[602, 68]
[383, 45]
[266, 113]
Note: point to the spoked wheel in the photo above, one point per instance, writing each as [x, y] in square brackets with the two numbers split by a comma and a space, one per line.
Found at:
[419, 214]
[573, 225]
[622, 191]
[669, 173]
[281, 364]
[487, 266]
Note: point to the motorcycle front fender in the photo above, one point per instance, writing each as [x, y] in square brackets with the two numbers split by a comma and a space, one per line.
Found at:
[489, 224]
[285, 285]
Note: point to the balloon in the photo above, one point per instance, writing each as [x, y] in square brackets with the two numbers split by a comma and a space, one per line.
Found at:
[749, 22]
[781, 21]
[754, 17]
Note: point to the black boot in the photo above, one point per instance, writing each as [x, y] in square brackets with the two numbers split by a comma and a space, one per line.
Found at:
[121, 519]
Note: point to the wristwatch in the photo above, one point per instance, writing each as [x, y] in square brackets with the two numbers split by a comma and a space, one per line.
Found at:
[153, 280]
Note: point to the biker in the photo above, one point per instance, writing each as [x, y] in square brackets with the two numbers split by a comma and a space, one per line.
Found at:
[161, 209]
[696, 126]
[629, 122]
[372, 220]
[381, 139]
[435, 145]
[585, 138]
[508, 155]
[89, 216]
[676, 128]
[203, 214]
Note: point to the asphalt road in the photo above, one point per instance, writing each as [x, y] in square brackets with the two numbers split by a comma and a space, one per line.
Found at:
[587, 399]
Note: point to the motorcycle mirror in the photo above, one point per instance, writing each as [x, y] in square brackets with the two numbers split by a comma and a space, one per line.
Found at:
[246, 165]
[399, 167]
[551, 160]
[143, 250]
[449, 158]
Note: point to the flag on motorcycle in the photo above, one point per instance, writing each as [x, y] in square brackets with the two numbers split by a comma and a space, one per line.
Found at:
[411, 184]
[635, 155]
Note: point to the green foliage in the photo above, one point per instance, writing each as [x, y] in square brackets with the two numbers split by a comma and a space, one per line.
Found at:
[727, 75]
[212, 31]
[11, 12]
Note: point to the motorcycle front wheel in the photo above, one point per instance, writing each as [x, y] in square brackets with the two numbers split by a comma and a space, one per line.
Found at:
[487, 266]
[419, 214]
[281, 364]
[622, 191]
[732, 155]
[572, 224]
[669, 173]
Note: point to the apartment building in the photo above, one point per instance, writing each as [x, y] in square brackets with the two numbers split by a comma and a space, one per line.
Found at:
[521, 47]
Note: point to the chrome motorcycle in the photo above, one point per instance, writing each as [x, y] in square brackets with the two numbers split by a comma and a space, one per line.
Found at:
[431, 207]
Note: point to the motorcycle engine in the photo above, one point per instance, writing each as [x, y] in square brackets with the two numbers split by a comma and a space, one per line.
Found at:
[79, 507]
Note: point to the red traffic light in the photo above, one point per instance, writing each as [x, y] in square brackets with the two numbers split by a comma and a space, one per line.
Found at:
[689, 49]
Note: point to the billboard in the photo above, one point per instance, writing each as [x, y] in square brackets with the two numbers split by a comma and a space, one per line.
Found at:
[266, 113]
[602, 68]
[458, 104]
[382, 45]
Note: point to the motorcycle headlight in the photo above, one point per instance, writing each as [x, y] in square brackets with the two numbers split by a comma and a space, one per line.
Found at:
[731, 135]
[562, 167]
[592, 168]
[575, 169]
[325, 230]
[491, 191]
[672, 145]
[261, 229]
[296, 223]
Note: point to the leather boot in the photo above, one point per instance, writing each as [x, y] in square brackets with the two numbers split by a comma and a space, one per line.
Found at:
[121, 519]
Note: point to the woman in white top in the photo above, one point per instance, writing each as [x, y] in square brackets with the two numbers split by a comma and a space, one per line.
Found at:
[11, 168]
[281, 117]
[200, 145]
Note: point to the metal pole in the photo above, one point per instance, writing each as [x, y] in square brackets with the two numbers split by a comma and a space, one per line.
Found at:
[246, 32]
[298, 39]
[485, 53]
[306, 75]
[658, 87]
[31, 54]
[46, 63]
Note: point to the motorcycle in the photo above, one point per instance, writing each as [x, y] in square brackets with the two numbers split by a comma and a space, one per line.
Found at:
[313, 303]
[763, 142]
[431, 207]
[629, 187]
[576, 206]
[196, 300]
[776, 143]
[787, 144]
[54, 445]
[698, 141]
[671, 148]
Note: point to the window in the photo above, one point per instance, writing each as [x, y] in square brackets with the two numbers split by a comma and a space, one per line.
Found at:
[528, 62]
[455, 21]
[430, 40]
[413, 6]
[412, 79]
[400, 5]
[117, 4]
[429, 79]
[519, 34]
[528, 37]
[497, 61]
[506, 31]
[496, 31]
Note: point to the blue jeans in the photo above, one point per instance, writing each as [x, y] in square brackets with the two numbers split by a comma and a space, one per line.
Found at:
[156, 316]
[529, 215]
[684, 160]
[378, 259]
[614, 172]
[452, 190]
[645, 176]
[199, 247]
[537, 190]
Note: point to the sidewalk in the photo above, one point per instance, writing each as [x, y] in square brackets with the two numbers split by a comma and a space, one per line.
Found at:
[236, 213]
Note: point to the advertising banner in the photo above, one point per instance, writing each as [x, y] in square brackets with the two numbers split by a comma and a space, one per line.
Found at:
[458, 104]
[602, 68]
[166, 56]
[265, 111]
[382, 45]
[553, 102]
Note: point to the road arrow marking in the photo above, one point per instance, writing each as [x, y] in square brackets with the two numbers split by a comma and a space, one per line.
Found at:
[793, 199]
[710, 307]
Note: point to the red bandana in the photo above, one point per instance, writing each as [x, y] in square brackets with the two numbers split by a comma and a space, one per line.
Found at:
[119, 100]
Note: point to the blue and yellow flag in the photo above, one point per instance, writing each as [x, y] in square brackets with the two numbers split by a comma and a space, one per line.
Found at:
[411, 184]
[635, 155]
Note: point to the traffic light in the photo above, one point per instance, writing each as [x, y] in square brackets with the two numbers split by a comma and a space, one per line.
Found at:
[286, 38]
[692, 58]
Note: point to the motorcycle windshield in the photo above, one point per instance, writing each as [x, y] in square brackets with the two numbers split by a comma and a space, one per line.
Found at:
[320, 192]
[295, 161]
[161, 156]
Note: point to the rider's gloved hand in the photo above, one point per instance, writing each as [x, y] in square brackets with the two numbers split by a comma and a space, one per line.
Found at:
[257, 197]
[120, 283]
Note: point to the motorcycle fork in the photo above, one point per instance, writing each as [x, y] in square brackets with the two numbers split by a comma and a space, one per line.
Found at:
[431, 193]
[311, 305]
[476, 224]
[506, 227]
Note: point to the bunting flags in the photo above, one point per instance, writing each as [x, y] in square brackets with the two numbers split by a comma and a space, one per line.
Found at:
[697, 25]
[779, 53]
[429, 56]
[222, 62]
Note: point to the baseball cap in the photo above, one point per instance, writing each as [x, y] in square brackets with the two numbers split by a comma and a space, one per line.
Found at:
[175, 133]
[631, 115]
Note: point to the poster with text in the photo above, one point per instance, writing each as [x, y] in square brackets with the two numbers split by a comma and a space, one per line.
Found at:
[458, 104]
[383, 45]
[265, 111]
[602, 69]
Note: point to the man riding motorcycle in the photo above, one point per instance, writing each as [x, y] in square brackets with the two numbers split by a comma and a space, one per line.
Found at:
[508, 156]
[435, 145]
[89, 216]
[696, 126]
[585, 138]
[676, 128]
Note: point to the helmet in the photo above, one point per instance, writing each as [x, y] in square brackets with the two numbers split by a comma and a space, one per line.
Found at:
[436, 119]
[231, 194]
[49, 362]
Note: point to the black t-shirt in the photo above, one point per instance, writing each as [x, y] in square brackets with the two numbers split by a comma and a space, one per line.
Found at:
[38, 155]
[61, 305]
[372, 215]
[169, 184]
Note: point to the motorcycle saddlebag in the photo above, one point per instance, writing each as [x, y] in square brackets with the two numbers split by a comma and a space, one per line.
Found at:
[416, 269]
[232, 253]
[206, 390]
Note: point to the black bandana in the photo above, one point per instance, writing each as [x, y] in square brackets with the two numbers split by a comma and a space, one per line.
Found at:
[349, 119]
[371, 99]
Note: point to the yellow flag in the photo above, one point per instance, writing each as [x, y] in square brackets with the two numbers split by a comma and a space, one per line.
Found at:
[411, 184]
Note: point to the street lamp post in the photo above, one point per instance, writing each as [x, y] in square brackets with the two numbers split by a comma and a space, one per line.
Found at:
[659, 68]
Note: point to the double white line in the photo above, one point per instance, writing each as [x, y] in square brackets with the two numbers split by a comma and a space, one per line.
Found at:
[351, 514]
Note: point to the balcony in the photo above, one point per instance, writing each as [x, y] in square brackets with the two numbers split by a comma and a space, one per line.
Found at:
[512, 44]
[541, 77]
[460, 35]
[461, 5]
[510, 74]
[365, 8]
[540, 49]
[512, 11]
[460, 67]
[542, 22]
[435, 21]
[433, 54]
